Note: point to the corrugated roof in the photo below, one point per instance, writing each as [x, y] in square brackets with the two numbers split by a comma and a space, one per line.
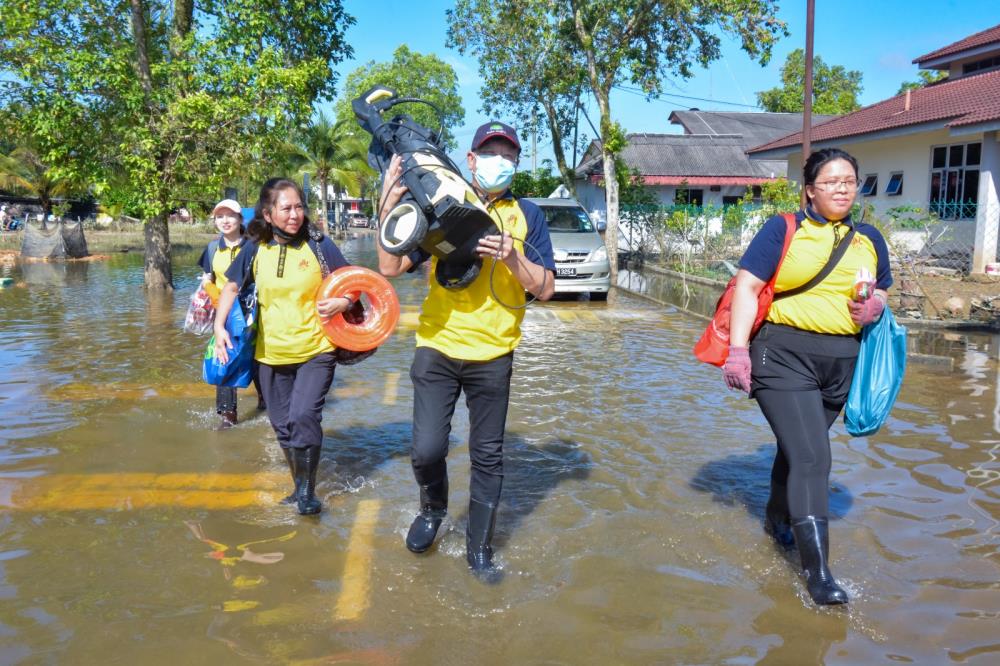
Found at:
[686, 155]
[988, 36]
[954, 103]
[755, 128]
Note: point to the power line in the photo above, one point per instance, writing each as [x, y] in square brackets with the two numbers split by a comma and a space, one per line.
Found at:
[657, 97]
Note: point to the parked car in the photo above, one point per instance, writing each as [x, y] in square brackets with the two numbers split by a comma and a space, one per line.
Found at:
[358, 220]
[579, 251]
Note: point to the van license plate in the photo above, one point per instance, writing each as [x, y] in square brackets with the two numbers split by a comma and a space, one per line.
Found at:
[565, 272]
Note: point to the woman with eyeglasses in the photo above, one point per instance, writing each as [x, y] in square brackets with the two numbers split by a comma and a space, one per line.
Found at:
[800, 363]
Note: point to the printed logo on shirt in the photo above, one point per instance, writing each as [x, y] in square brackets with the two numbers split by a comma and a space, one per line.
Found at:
[303, 265]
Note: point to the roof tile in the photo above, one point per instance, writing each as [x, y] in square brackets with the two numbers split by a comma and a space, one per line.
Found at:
[987, 36]
[960, 102]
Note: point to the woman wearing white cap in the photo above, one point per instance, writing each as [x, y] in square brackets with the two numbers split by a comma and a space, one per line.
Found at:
[228, 218]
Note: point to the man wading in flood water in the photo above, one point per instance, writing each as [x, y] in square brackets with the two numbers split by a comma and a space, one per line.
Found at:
[466, 341]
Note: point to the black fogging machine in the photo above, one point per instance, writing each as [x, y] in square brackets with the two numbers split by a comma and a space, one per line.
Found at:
[440, 213]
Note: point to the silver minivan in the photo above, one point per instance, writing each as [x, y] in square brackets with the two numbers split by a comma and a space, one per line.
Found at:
[579, 251]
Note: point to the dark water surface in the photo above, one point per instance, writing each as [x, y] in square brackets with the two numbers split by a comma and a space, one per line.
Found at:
[629, 532]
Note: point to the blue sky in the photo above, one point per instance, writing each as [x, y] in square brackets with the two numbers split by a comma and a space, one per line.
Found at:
[878, 38]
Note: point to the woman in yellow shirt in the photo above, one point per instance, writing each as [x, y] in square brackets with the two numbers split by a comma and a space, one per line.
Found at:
[287, 259]
[800, 364]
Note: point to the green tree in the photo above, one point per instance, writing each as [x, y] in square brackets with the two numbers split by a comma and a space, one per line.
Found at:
[24, 172]
[538, 183]
[926, 77]
[334, 154]
[835, 89]
[410, 74]
[161, 99]
[645, 41]
[525, 66]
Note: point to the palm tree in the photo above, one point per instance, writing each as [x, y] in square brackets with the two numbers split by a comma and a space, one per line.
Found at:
[334, 153]
[23, 170]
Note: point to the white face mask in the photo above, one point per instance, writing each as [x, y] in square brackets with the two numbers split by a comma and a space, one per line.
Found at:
[494, 173]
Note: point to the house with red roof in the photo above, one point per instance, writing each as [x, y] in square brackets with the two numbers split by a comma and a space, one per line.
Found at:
[936, 146]
[707, 165]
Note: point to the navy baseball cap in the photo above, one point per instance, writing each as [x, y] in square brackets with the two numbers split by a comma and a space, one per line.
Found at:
[492, 130]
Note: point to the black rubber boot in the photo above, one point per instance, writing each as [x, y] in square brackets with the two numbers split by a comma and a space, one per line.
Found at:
[290, 459]
[306, 463]
[812, 536]
[433, 509]
[479, 541]
[777, 522]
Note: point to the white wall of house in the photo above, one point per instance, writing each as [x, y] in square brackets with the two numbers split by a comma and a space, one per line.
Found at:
[592, 197]
[911, 154]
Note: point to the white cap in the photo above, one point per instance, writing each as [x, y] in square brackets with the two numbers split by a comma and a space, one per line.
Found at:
[228, 204]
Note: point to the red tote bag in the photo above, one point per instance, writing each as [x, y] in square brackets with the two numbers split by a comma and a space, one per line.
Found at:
[713, 346]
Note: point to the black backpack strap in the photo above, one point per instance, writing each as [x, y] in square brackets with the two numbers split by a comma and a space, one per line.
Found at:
[831, 263]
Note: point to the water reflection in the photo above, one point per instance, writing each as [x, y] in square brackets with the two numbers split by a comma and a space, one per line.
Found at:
[630, 526]
[743, 479]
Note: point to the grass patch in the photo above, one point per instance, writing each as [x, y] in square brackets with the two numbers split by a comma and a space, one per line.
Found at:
[127, 238]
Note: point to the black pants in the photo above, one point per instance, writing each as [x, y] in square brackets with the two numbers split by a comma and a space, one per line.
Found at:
[801, 381]
[437, 382]
[295, 395]
[225, 399]
[225, 396]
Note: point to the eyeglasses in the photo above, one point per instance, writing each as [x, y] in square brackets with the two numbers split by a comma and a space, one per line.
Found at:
[833, 185]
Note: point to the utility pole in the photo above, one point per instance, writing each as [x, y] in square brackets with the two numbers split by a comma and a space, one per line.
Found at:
[808, 90]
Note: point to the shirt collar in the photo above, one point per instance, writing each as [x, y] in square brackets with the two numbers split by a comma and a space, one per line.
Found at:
[811, 214]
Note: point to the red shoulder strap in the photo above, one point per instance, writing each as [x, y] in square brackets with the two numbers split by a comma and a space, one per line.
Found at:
[790, 227]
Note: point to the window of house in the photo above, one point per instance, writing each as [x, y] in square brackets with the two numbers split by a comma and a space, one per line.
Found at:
[870, 185]
[688, 197]
[731, 201]
[955, 180]
[981, 65]
[895, 186]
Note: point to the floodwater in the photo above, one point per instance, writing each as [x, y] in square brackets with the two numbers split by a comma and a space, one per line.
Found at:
[629, 530]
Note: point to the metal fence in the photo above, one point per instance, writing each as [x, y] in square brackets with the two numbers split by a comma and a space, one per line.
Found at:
[710, 240]
[923, 246]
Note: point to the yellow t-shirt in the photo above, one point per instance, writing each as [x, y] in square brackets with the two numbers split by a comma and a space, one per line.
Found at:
[221, 261]
[469, 324]
[289, 329]
[822, 309]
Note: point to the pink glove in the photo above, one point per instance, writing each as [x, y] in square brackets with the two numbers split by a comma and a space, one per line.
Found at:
[867, 311]
[736, 371]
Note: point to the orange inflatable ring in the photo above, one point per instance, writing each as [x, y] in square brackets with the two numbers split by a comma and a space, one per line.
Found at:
[380, 316]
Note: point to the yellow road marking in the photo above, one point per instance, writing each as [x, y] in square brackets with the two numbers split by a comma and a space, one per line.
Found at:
[352, 391]
[354, 594]
[566, 316]
[391, 384]
[57, 492]
[408, 320]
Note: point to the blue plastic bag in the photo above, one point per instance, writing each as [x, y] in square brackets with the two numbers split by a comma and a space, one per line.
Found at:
[242, 329]
[878, 376]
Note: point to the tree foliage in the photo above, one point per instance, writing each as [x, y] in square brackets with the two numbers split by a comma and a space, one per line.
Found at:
[158, 101]
[529, 76]
[335, 154]
[538, 183]
[926, 77]
[410, 74]
[835, 89]
[22, 171]
[644, 42]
